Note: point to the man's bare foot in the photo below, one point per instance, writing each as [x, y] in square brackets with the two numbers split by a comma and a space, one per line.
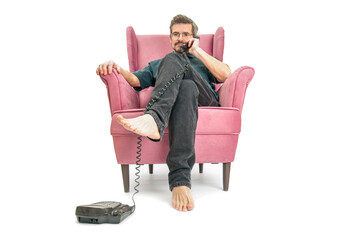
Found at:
[143, 125]
[182, 199]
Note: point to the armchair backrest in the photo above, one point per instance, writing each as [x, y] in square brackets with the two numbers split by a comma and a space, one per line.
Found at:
[145, 48]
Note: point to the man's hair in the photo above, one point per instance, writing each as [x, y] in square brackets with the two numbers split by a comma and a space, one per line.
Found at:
[184, 19]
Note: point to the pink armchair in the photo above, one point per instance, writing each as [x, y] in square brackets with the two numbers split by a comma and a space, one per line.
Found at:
[217, 129]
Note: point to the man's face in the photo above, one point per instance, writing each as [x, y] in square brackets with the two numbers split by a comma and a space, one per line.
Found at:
[181, 33]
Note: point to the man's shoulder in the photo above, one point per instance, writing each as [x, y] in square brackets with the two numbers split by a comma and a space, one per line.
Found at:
[155, 64]
[156, 61]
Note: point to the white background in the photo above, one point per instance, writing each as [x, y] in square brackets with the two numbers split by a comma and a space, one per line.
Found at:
[297, 168]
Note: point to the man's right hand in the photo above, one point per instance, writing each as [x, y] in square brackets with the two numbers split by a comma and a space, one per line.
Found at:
[107, 68]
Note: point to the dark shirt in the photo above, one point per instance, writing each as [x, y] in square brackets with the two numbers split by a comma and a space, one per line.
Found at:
[148, 75]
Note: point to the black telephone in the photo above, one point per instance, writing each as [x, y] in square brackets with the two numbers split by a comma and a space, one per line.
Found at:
[185, 46]
[110, 211]
[103, 212]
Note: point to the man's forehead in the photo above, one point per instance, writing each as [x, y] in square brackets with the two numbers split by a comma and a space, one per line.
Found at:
[182, 27]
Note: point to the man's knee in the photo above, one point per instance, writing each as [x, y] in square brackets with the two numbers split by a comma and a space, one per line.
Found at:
[172, 58]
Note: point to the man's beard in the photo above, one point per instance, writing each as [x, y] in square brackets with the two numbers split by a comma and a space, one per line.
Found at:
[180, 50]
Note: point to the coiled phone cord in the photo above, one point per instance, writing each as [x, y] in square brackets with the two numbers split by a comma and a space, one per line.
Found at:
[137, 168]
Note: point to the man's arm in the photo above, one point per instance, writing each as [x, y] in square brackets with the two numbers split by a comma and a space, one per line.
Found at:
[107, 67]
[220, 70]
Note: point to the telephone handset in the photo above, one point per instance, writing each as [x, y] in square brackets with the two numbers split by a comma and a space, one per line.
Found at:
[185, 46]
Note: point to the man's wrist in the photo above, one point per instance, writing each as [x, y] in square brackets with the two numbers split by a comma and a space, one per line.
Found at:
[197, 52]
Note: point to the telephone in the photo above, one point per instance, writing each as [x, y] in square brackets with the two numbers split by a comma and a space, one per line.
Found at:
[110, 211]
[185, 46]
[103, 212]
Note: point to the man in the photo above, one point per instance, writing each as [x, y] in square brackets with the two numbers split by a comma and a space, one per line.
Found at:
[182, 82]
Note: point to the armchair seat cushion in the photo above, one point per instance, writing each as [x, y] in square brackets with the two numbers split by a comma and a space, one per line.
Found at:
[211, 121]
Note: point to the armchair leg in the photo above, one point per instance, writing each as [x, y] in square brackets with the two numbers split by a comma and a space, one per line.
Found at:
[201, 168]
[150, 168]
[125, 173]
[226, 174]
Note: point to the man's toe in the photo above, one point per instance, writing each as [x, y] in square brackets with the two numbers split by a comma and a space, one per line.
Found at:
[190, 206]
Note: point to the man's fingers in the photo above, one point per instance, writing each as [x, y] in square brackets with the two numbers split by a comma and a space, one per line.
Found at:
[100, 70]
[107, 68]
[104, 69]
[110, 65]
[190, 42]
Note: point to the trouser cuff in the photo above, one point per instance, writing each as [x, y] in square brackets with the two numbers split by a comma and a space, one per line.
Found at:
[177, 184]
[159, 124]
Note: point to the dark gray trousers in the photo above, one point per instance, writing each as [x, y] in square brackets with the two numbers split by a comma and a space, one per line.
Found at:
[178, 91]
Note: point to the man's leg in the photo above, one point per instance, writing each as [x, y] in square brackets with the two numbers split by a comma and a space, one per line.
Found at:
[193, 91]
[181, 156]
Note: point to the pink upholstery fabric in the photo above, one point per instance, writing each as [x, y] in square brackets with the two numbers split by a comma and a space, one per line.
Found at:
[218, 128]
[132, 47]
[151, 48]
[212, 121]
[121, 95]
[233, 91]
[223, 149]
[218, 44]
[216, 137]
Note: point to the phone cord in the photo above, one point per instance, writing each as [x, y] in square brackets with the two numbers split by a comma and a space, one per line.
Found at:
[137, 168]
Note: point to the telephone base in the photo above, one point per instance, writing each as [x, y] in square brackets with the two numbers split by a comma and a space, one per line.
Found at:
[103, 212]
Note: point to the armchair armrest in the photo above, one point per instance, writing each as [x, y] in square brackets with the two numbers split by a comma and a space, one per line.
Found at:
[120, 94]
[232, 92]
